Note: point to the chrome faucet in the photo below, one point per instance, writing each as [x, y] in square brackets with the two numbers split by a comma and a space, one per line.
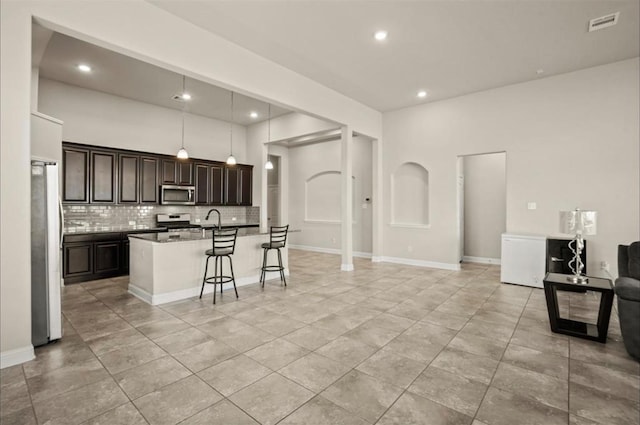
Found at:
[219, 219]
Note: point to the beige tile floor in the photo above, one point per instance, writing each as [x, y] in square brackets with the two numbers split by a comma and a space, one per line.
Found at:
[385, 344]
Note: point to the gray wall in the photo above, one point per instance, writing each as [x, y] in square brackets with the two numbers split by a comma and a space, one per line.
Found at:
[571, 141]
[484, 204]
[320, 221]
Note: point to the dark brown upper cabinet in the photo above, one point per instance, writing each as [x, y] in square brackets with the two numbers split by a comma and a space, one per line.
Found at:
[238, 185]
[202, 184]
[217, 184]
[75, 165]
[149, 187]
[177, 171]
[103, 177]
[92, 174]
[168, 174]
[185, 172]
[128, 167]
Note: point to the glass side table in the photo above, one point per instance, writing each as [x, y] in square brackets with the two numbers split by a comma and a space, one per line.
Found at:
[598, 332]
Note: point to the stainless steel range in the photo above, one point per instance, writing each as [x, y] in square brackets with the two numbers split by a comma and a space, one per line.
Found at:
[176, 222]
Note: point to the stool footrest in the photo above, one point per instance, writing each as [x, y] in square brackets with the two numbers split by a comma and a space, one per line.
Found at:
[218, 280]
[272, 268]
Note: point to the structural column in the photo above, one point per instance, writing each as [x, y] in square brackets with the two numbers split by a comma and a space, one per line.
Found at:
[376, 202]
[347, 198]
[264, 190]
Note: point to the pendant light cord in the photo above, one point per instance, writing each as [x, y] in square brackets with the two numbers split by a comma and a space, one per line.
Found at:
[183, 107]
[231, 125]
[269, 126]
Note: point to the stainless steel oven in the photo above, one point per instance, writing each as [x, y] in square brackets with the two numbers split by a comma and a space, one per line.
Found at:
[177, 195]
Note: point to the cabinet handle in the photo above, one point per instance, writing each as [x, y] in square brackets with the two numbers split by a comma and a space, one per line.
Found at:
[556, 259]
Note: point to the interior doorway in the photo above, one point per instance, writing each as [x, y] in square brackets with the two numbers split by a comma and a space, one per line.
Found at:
[481, 206]
[273, 192]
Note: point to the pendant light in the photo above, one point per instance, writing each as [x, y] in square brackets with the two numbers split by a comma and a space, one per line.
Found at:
[231, 160]
[269, 165]
[182, 153]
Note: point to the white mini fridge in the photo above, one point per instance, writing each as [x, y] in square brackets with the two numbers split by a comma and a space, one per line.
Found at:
[523, 259]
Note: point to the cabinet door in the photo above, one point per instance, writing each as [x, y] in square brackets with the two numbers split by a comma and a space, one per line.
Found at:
[107, 257]
[77, 259]
[149, 180]
[75, 175]
[168, 172]
[246, 185]
[185, 173]
[128, 178]
[232, 192]
[103, 177]
[202, 184]
[217, 184]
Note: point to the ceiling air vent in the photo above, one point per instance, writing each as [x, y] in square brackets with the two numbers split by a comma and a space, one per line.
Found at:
[603, 21]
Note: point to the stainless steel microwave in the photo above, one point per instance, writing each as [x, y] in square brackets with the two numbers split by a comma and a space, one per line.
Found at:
[177, 195]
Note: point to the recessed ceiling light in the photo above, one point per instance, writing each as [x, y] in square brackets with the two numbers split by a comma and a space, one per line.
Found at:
[422, 94]
[84, 68]
[186, 96]
[253, 114]
[380, 35]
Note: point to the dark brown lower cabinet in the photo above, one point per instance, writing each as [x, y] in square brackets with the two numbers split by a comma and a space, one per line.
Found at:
[107, 257]
[78, 259]
[95, 256]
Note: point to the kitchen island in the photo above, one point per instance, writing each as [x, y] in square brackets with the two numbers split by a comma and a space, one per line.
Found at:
[166, 267]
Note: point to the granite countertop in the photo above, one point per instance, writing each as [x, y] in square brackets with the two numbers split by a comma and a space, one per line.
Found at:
[79, 230]
[195, 235]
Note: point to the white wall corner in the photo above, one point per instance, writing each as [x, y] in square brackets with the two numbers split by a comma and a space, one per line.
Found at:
[16, 356]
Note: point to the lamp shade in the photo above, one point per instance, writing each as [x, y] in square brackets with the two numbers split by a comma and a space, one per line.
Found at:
[578, 222]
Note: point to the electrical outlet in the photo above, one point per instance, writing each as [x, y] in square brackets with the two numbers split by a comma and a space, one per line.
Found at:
[233, 218]
[132, 222]
[604, 265]
[410, 248]
[333, 240]
[197, 220]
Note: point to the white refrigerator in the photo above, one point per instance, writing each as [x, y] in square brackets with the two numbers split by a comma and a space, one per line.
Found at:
[46, 225]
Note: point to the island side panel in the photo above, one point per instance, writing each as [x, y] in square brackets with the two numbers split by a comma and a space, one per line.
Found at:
[141, 268]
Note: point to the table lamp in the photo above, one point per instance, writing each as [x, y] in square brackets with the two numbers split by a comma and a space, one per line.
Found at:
[580, 223]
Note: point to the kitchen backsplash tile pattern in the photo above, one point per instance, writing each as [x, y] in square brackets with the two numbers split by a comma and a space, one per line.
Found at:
[78, 216]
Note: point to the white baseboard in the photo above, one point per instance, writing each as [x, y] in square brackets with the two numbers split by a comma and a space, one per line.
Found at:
[481, 260]
[381, 259]
[16, 356]
[183, 294]
[336, 251]
[420, 263]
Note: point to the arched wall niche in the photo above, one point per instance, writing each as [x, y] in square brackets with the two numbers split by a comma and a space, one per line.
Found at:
[410, 196]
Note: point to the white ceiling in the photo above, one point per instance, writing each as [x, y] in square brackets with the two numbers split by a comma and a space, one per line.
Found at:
[448, 48]
[124, 76]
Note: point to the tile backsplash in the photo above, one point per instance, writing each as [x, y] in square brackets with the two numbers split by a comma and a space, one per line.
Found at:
[78, 216]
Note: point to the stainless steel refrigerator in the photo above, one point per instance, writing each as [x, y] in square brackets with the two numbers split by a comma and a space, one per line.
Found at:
[46, 225]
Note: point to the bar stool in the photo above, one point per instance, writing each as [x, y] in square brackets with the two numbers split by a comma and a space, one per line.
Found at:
[277, 240]
[223, 245]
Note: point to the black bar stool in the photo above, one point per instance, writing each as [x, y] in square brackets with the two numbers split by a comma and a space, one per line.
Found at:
[223, 245]
[277, 240]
